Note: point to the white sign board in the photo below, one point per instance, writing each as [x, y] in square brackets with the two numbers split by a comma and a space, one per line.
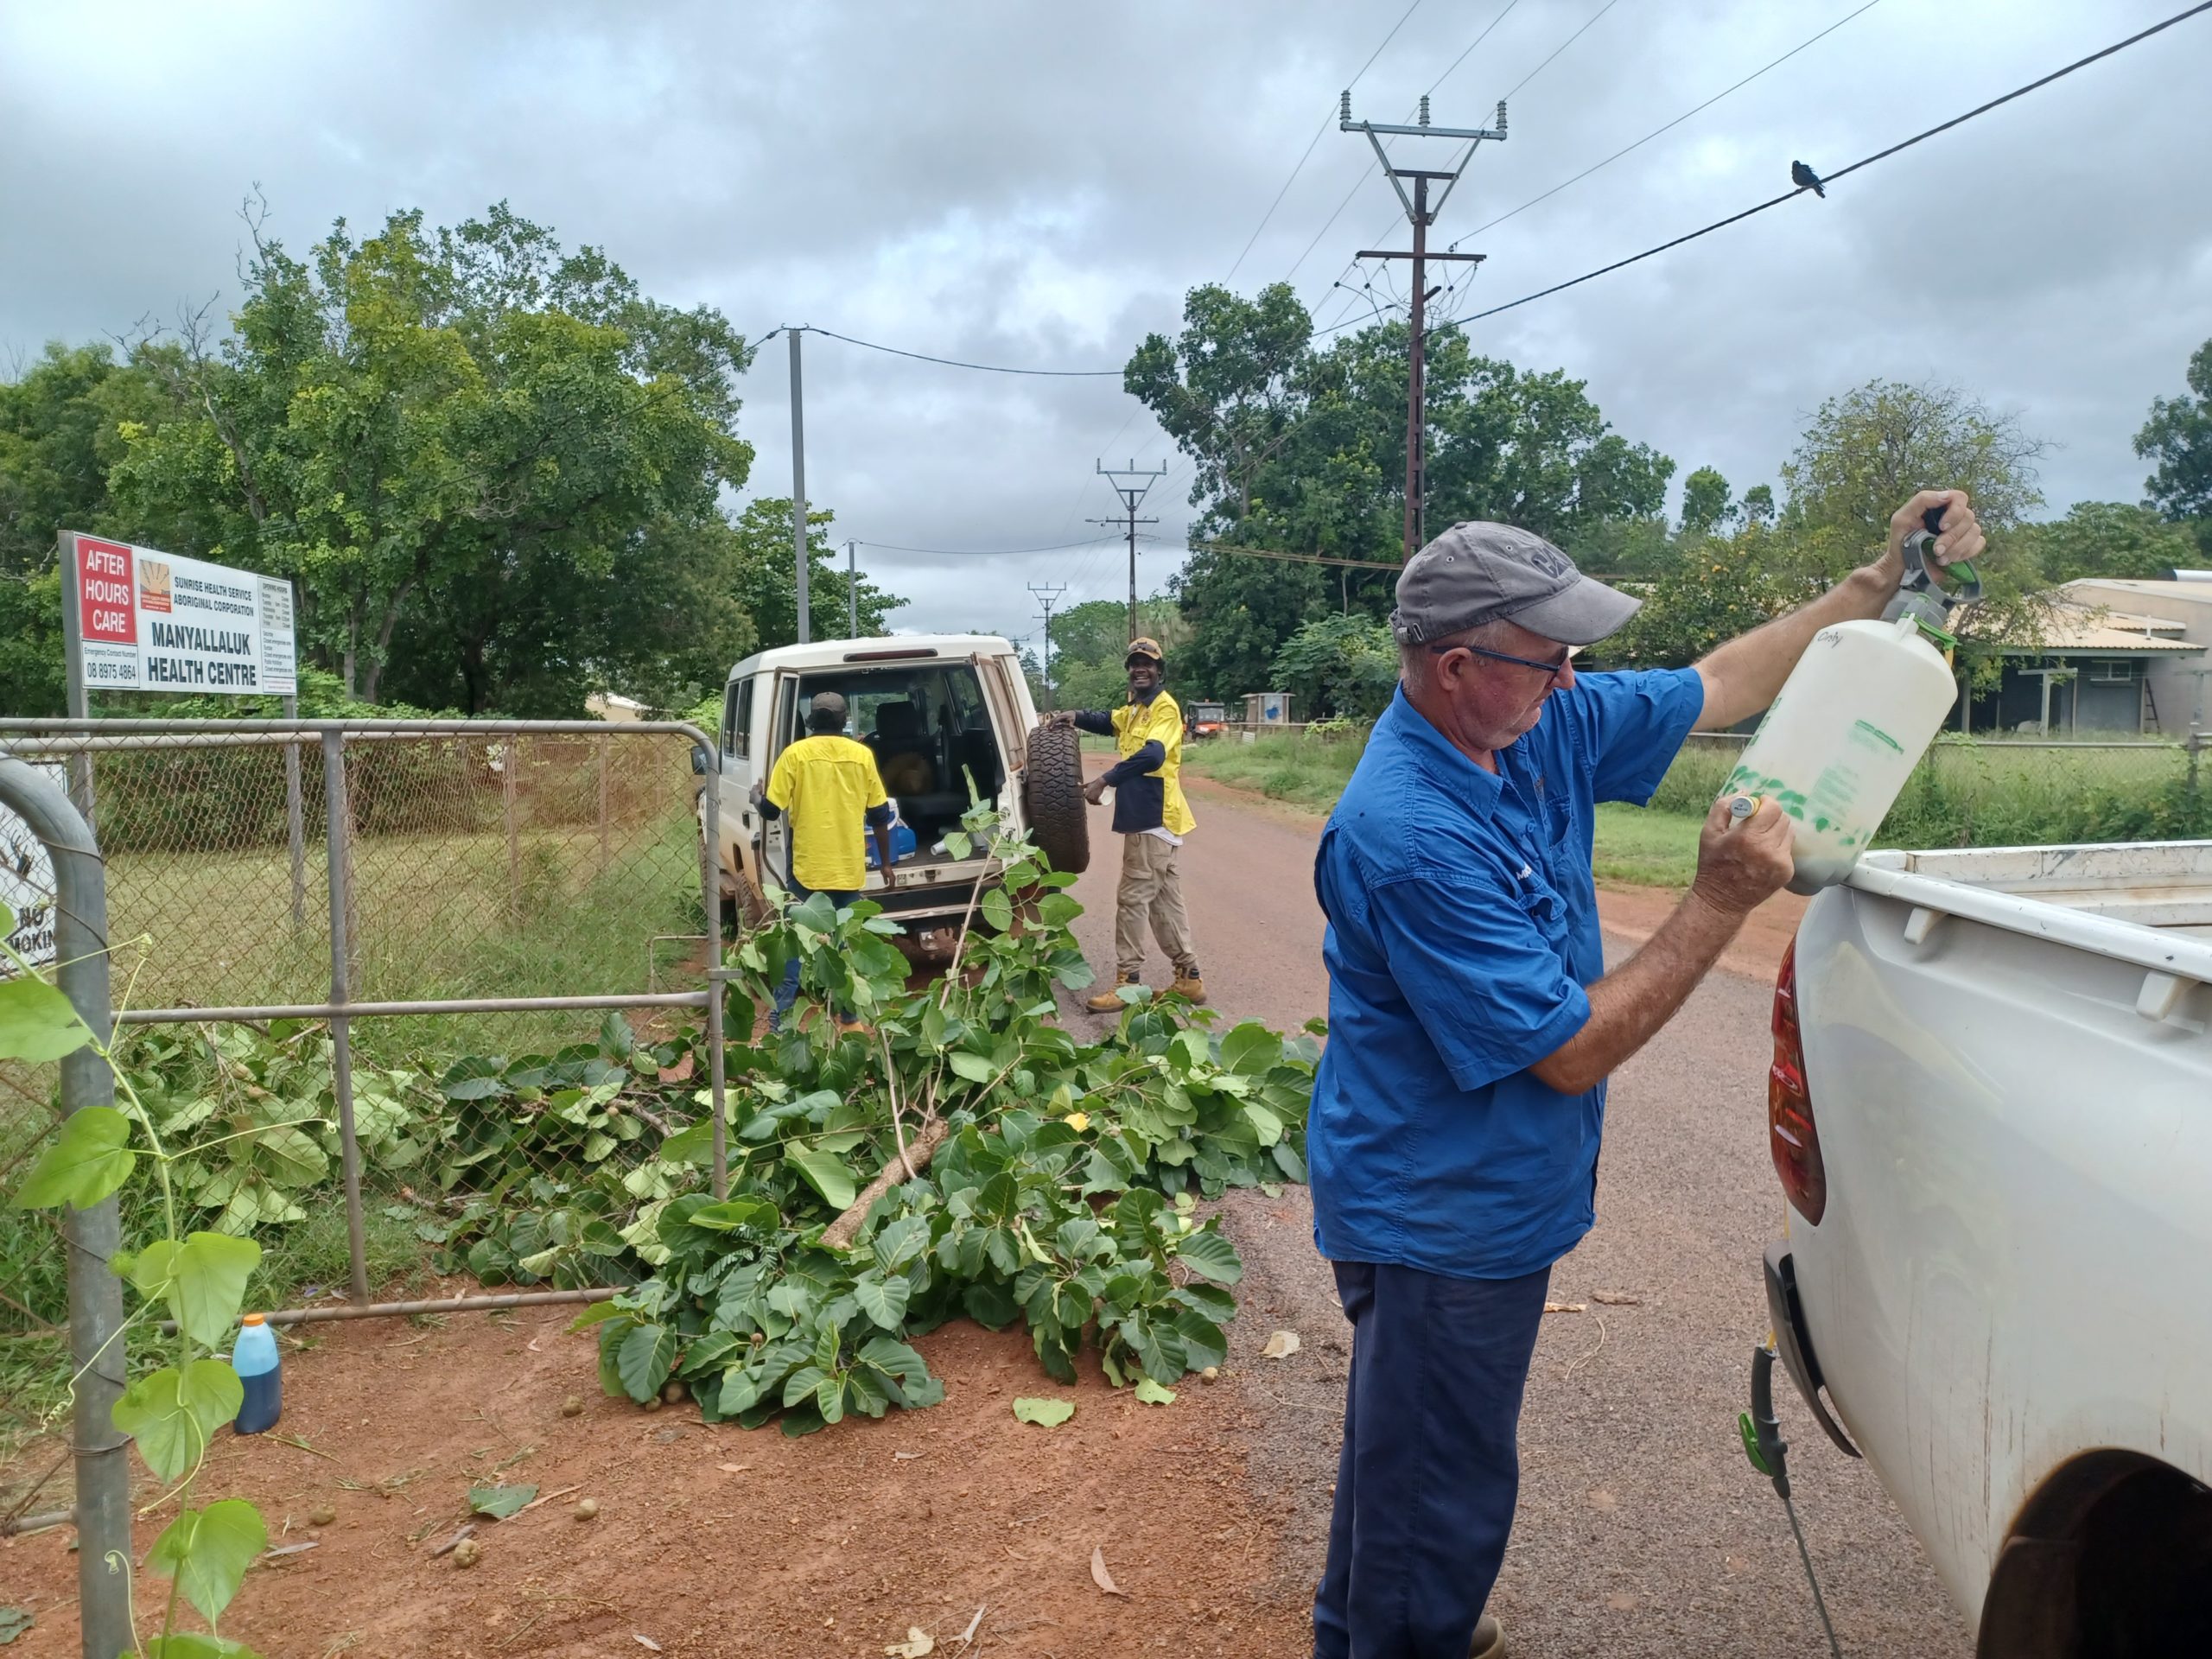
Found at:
[27, 884]
[152, 621]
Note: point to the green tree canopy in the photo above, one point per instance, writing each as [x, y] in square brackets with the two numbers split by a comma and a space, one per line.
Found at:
[1301, 448]
[2178, 437]
[61, 422]
[2103, 538]
[467, 442]
[1707, 504]
[1341, 664]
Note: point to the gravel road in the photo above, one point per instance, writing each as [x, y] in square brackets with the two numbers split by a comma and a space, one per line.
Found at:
[1642, 1529]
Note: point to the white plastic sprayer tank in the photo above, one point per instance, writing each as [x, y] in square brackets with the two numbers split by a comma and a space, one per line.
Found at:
[1853, 719]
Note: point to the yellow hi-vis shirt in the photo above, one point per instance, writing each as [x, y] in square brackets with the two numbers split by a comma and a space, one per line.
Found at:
[1160, 722]
[824, 786]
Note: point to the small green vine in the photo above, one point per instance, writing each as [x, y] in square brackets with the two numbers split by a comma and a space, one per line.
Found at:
[198, 1278]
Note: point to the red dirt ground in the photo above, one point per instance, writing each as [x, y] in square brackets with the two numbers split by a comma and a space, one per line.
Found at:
[717, 1540]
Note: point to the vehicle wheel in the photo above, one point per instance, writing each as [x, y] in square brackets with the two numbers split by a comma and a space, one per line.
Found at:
[1051, 790]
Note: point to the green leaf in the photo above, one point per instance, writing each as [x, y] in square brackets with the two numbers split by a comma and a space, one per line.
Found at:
[1045, 1414]
[190, 1644]
[974, 1067]
[209, 1551]
[13, 1621]
[734, 1213]
[599, 1314]
[825, 1172]
[37, 1023]
[1251, 1049]
[959, 843]
[1210, 1254]
[997, 908]
[882, 1299]
[89, 1159]
[1150, 1393]
[694, 1144]
[204, 1279]
[499, 1501]
[1264, 1122]
[643, 1361]
[990, 1305]
[173, 1415]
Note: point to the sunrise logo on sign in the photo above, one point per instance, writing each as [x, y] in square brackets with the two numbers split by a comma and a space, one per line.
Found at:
[154, 585]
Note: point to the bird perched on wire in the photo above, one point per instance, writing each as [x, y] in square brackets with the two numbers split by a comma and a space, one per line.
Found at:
[1805, 179]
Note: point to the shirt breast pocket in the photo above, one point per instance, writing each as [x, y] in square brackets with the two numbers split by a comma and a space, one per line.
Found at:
[1546, 909]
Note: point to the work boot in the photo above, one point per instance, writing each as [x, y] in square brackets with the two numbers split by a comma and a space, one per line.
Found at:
[1190, 983]
[1108, 1000]
[1489, 1639]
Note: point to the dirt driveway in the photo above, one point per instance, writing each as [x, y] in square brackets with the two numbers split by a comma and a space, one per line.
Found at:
[1642, 1529]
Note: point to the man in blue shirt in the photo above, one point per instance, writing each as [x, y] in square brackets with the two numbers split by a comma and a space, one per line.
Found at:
[1453, 1138]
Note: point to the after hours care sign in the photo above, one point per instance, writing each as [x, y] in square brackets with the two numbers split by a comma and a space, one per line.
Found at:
[151, 622]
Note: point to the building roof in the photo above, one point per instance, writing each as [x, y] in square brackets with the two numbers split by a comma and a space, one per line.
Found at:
[2193, 592]
[2076, 629]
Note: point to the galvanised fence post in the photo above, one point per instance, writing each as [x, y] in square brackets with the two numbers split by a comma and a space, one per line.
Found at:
[93, 1236]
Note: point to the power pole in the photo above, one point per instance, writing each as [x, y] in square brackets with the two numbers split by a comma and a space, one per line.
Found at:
[1420, 214]
[852, 591]
[1131, 483]
[1047, 596]
[798, 489]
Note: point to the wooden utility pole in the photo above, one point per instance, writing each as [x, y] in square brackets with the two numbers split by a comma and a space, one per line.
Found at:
[1131, 483]
[1420, 214]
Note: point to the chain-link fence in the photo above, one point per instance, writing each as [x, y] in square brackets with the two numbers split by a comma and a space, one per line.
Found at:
[428, 1009]
[418, 1005]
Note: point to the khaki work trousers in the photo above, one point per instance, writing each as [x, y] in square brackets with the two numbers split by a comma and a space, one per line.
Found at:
[1152, 889]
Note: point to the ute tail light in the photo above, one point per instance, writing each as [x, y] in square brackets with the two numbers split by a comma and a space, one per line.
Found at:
[1791, 1136]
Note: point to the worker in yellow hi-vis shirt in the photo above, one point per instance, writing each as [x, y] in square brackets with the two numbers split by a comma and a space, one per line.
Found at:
[828, 784]
[1152, 818]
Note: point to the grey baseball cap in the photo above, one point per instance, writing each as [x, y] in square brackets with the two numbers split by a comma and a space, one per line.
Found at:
[826, 702]
[1478, 573]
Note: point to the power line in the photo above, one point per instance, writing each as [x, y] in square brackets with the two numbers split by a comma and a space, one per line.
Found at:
[1294, 558]
[957, 363]
[1845, 172]
[1561, 47]
[1369, 172]
[1316, 139]
[1512, 93]
[1672, 124]
[1472, 44]
[979, 552]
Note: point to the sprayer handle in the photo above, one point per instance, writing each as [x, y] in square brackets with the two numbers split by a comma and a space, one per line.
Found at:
[1932, 518]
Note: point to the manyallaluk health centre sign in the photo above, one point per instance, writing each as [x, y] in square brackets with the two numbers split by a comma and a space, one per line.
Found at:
[143, 621]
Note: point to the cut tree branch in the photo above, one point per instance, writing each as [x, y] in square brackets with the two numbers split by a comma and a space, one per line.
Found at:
[840, 1233]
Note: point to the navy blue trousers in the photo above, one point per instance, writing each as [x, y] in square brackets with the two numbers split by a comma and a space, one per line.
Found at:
[1431, 1463]
[787, 993]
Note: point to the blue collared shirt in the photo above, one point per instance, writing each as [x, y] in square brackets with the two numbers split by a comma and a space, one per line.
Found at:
[1462, 927]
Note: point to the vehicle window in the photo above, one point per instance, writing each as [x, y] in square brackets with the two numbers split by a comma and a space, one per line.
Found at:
[737, 719]
[970, 713]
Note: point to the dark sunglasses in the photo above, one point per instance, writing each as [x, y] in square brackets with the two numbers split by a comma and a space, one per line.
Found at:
[1550, 671]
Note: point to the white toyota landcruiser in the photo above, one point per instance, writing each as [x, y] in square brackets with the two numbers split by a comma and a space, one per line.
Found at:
[940, 712]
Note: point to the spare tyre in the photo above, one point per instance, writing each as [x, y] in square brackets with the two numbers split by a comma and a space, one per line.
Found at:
[1052, 790]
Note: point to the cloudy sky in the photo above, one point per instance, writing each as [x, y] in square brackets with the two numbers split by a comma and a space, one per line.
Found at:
[1037, 186]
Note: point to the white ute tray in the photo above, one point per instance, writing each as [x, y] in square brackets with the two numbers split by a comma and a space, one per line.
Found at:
[2147, 903]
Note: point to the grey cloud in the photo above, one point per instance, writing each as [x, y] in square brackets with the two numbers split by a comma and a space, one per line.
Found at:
[1010, 183]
